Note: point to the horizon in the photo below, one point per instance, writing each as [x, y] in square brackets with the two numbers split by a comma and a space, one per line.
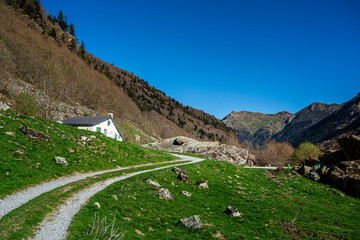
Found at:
[228, 56]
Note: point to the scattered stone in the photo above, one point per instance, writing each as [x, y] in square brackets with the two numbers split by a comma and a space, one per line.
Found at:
[185, 178]
[92, 137]
[65, 137]
[233, 211]
[84, 138]
[4, 106]
[61, 160]
[33, 134]
[97, 204]
[202, 184]
[71, 150]
[20, 151]
[139, 233]
[186, 193]
[127, 219]
[115, 198]
[172, 184]
[1, 127]
[169, 230]
[165, 193]
[314, 176]
[219, 235]
[304, 170]
[10, 133]
[151, 182]
[179, 170]
[236, 176]
[192, 222]
[151, 229]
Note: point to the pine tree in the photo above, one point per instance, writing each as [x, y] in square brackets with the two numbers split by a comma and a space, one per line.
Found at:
[82, 49]
[61, 19]
[72, 29]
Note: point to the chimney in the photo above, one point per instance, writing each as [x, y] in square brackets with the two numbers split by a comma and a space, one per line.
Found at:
[111, 114]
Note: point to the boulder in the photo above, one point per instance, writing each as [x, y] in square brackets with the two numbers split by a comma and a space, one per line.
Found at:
[202, 184]
[233, 211]
[192, 222]
[183, 177]
[179, 170]
[314, 176]
[33, 134]
[165, 193]
[151, 182]
[4, 106]
[350, 146]
[61, 160]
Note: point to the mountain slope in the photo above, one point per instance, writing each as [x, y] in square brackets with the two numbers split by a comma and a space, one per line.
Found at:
[256, 127]
[40, 58]
[304, 119]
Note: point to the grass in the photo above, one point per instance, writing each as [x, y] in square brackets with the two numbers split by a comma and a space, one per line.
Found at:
[21, 222]
[285, 206]
[24, 162]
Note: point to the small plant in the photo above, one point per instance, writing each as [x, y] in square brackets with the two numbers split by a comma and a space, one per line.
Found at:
[26, 104]
[100, 230]
[305, 151]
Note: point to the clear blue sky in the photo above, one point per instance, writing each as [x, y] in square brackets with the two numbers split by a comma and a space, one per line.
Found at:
[219, 56]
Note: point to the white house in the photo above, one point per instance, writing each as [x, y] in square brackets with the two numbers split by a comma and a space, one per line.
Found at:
[101, 124]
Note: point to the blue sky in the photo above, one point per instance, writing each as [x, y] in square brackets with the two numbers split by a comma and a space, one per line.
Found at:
[219, 56]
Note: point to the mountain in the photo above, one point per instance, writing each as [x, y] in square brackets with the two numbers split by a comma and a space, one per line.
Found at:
[257, 127]
[315, 123]
[40, 56]
[304, 119]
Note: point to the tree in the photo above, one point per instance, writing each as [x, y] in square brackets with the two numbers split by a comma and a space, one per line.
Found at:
[82, 49]
[305, 151]
[62, 21]
[26, 104]
[72, 29]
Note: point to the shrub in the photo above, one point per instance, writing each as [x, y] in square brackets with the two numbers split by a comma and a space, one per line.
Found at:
[274, 153]
[305, 151]
[26, 104]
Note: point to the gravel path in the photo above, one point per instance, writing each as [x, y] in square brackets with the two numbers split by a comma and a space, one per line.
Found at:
[55, 225]
[15, 200]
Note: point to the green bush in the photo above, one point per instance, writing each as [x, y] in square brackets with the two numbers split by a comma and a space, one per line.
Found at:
[26, 104]
[305, 151]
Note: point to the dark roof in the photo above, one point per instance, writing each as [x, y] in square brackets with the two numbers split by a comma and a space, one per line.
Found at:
[85, 120]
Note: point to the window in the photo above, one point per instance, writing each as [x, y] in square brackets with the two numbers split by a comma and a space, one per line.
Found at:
[98, 129]
[109, 123]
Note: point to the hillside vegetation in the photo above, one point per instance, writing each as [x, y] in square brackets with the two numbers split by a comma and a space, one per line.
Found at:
[25, 161]
[275, 205]
[40, 56]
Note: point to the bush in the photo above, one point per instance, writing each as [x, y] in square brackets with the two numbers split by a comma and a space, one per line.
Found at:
[26, 104]
[306, 151]
[274, 153]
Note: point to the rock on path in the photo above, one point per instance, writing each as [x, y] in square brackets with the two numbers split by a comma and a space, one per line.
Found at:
[55, 225]
[15, 200]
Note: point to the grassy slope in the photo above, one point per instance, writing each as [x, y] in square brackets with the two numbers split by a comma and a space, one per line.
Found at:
[282, 207]
[37, 163]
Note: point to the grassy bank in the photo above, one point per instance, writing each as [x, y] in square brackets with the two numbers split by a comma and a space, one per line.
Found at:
[25, 161]
[284, 206]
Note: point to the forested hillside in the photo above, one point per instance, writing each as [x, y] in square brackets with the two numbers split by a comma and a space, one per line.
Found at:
[41, 56]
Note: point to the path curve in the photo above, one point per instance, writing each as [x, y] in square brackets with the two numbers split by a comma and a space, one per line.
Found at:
[55, 225]
[17, 199]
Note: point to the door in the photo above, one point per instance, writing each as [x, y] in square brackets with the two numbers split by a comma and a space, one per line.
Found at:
[105, 132]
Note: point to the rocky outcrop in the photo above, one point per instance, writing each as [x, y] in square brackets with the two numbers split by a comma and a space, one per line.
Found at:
[210, 150]
[192, 222]
[33, 134]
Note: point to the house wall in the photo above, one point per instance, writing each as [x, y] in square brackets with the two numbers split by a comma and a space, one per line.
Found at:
[110, 129]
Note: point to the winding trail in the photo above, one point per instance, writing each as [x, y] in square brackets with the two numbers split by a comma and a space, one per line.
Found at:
[17, 199]
[55, 225]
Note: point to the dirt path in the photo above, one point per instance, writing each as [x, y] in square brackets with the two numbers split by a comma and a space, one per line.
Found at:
[55, 224]
[15, 200]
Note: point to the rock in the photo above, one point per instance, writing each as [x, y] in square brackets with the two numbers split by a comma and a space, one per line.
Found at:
[210, 150]
[304, 170]
[137, 138]
[186, 193]
[192, 222]
[92, 137]
[139, 233]
[4, 106]
[233, 211]
[202, 184]
[84, 138]
[77, 110]
[185, 178]
[20, 151]
[151, 229]
[178, 142]
[33, 134]
[97, 204]
[71, 150]
[149, 181]
[65, 137]
[10, 133]
[314, 176]
[350, 146]
[115, 198]
[165, 193]
[179, 170]
[61, 160]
